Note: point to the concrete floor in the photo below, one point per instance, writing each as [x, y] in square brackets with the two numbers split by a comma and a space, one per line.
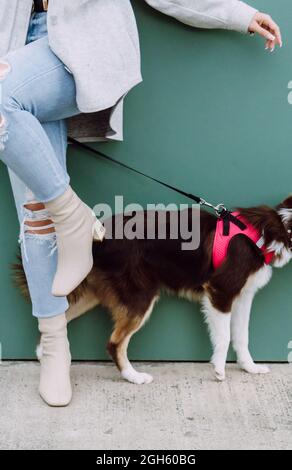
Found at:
[184, 408]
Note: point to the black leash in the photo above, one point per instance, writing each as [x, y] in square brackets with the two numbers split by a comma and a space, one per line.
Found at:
[220, 209]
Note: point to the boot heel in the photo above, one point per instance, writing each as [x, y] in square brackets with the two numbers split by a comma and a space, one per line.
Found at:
[98, 231]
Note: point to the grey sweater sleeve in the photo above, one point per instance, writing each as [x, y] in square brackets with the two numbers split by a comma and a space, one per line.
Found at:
[224, 14]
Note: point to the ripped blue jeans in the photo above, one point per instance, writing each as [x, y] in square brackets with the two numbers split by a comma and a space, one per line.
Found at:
[37, 94]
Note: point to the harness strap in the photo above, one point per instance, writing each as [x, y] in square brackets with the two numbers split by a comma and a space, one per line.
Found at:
[228, 218]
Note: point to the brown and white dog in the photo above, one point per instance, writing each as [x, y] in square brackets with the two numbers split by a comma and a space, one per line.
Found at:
[129, 276]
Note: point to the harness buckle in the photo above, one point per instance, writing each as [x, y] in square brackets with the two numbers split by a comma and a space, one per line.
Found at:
[219, 209]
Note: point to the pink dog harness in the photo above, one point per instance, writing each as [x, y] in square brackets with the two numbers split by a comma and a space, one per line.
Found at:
[222, 239]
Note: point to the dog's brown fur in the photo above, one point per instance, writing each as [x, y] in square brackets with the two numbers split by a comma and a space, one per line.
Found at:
[129, 275]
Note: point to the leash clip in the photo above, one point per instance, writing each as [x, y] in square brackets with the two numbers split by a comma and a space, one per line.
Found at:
[219, 209]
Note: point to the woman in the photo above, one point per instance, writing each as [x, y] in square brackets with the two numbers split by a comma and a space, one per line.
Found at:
[81, 57]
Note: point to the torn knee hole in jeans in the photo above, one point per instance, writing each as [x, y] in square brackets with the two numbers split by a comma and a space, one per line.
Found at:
[41, 227]
[4, 70]
[37, 225]
[37, 219]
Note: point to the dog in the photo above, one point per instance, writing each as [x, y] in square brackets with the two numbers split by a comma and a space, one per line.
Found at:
[129, 276]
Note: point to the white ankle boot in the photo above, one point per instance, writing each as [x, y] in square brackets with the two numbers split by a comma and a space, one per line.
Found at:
[76, 225]
[55, 358]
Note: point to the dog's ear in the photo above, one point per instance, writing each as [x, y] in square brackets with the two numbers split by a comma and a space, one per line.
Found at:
[285, 211]
[287, 203]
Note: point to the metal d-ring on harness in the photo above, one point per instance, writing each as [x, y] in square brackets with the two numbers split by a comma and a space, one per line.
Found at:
[223, 213]
[220, 210]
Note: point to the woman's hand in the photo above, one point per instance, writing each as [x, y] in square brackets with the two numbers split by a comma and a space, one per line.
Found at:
[264, 25]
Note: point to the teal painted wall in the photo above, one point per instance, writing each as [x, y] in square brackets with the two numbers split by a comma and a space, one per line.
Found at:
[211, 116]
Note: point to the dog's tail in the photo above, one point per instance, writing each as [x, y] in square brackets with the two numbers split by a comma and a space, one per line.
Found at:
[19, 277]
[82, 299]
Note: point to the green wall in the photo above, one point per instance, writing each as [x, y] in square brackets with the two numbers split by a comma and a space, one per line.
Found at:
[211, 116]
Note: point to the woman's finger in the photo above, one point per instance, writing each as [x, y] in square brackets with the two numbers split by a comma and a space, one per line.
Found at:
[270, 45]
[264, 32]
[273, 28]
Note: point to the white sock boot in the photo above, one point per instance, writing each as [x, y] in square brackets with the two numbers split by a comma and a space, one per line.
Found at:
[55, 358]
[76, 225]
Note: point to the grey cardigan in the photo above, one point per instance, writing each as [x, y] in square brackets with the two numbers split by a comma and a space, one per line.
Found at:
[98, 42]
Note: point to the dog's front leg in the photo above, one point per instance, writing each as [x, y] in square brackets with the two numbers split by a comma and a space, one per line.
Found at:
[239, 333]
[219, 329]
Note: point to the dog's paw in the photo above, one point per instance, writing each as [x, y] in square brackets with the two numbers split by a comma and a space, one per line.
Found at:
[219, 369]
[255, 368]
[220, 375]
[137, 377]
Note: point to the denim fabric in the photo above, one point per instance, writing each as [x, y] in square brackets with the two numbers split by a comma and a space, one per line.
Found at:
[37, 95]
